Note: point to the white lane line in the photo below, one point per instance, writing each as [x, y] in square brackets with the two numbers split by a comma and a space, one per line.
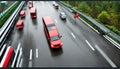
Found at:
[73, 35]
[89, 25]
[36, 53]
[105, 56]
[21, 63]
[3, 48]
[56, 21]
[89, 45]
[30, 54]
[30, 64]
[15, 58]
[112, 41]
[19, 57]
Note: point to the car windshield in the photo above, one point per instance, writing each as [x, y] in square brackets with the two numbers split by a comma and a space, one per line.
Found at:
[55, 38]
[50, 25]
[62, 13]
[30, 5]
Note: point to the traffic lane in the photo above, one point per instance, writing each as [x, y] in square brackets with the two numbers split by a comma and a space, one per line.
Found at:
[108, 48]
[34, 39]
[28, 42]
[65, 47]
[15, 36]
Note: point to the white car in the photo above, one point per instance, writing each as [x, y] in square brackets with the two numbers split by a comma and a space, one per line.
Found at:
[54, 3]
[62, 15]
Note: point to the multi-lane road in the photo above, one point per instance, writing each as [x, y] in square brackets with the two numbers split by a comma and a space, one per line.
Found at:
[82, 46]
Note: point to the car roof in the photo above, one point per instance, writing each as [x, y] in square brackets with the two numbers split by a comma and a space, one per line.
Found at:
[19, 22]
[53, 32]
[62, 12]
[22, 12]
[32, 10]
[48, 20]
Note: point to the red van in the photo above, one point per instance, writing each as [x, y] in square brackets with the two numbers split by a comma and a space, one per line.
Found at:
[22, 13]
[51, 32]
[20, 24]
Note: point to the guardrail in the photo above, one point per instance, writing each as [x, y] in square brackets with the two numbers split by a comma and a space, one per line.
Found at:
[105, 31]
[4, 12]
[7, 27]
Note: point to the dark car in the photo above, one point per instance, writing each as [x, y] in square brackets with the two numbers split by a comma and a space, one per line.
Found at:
[56, 6]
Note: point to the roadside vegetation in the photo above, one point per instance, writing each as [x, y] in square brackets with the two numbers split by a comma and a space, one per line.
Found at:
[7, 15]
[105, 12]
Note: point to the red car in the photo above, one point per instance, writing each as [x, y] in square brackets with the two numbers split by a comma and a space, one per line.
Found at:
[22, 13]
[30, 4]
[52, 34]
[55, 39]
[33, 12]
[20, 24]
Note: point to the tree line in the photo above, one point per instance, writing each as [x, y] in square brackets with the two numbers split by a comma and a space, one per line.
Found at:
[105, 12]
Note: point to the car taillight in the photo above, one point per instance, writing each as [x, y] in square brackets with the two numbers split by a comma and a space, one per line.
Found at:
[61, 43]
[52, 46]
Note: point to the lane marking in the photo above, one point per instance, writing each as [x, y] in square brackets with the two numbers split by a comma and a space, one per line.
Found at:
[30, 64]
[21, 63]
[89, 45]
[19, 57]
[30, 54]
[56, 21]
[73, 35]
[19, 45]
[105, 56]
[3, 48]
[112, 41]
[36, 53]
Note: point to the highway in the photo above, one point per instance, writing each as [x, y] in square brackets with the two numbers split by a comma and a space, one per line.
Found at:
[82, 46]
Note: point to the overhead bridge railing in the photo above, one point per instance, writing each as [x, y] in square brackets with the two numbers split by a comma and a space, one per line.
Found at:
[7, 27]
[101, 28]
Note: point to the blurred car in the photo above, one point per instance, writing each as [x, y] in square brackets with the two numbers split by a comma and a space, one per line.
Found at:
[22, 13]
[62, 15]
[20, 24]
[54, 3]
[30, 4]
[56, 6]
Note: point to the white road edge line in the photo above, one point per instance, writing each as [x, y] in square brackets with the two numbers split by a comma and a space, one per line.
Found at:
[19, 57]
[21, 63]
[89, 45]
[36, 53]
[16, 55]
[105, 56]
[73, 35]
[90, 26]
[30, 54]
[112, 41]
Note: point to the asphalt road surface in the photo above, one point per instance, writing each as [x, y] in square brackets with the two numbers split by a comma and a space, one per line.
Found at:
[82, 46]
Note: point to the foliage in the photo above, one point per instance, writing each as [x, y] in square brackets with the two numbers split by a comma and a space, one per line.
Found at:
[103, 17]
[6, 16]
[106, 12]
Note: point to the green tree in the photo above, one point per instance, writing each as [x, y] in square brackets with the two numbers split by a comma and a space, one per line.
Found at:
[104, 17]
